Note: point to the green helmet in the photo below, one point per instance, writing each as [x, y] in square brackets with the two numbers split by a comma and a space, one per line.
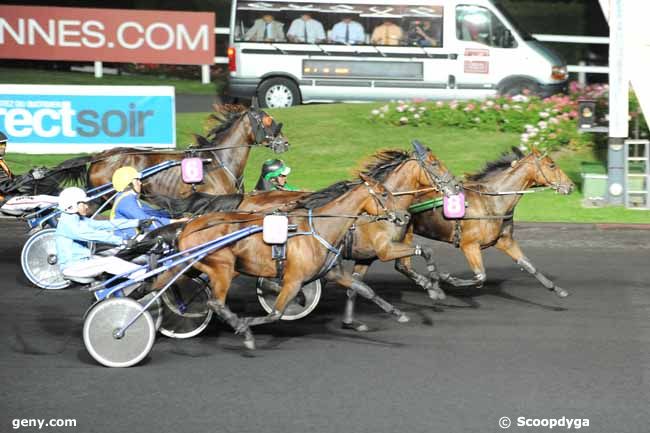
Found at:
[273, 168]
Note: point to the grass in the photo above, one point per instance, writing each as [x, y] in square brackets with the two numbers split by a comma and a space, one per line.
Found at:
[35, 76]
[328, 142]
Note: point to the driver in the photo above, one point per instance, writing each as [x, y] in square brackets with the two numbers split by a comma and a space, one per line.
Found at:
[5, 173]
[73, 233]
[127, 205]
[274, 176]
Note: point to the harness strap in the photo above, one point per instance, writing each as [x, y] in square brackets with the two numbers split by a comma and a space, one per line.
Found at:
[318, 237]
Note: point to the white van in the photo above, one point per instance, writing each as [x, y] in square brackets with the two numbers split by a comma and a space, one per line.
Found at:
[287, 52]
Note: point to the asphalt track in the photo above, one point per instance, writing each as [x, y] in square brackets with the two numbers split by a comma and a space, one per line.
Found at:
[508, 349]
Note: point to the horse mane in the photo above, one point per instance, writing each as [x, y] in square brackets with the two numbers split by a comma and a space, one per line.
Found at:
[326, 195]
[494, 167]
[219, 123]
[383, 162]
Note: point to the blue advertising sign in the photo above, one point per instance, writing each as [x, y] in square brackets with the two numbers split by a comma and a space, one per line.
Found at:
[70, 119]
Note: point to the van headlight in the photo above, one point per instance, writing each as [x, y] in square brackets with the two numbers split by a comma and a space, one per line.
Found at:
[559, 73]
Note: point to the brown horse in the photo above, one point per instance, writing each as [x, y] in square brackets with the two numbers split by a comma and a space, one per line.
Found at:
[310, 252]
[404, 174]
[491, 197]
[228, 146]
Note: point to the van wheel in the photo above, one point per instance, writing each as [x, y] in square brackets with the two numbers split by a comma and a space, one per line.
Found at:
[518, 86]
[278, 93]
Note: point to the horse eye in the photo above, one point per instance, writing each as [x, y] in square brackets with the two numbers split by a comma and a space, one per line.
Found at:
[551, 166]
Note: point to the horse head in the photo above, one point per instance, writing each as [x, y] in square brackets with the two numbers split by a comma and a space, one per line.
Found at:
[436, 172]
[546, 172]
[267, 131]
[381, 201]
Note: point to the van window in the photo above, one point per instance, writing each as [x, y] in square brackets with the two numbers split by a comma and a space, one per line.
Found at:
[478, 24]
[347, 24]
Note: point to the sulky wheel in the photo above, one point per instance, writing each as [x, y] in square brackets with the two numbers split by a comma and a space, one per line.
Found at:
[185, 309]
[156, 309]
[39, 261]
[100, 328]
[303, 304]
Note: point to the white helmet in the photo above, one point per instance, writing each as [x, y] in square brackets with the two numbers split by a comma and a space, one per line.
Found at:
[70, 197]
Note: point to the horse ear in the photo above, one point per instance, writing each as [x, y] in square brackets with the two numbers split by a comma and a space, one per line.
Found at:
[535, 151]
[517, 151]
[420, 150]
[201, 141]
[254, 103]
[365, 178]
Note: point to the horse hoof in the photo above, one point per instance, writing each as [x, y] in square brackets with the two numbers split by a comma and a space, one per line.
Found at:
[403, 318]
[249, 342]
[560, 292]
[355, 326]
[436, 295]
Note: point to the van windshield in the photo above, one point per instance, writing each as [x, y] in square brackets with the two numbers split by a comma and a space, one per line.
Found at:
[518, 28]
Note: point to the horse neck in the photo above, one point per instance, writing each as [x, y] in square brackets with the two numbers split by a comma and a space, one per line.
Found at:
[519, 178]
[235, 146]
[350, 203]
[404, 178]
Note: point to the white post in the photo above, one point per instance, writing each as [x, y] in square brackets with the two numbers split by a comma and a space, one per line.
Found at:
[205, 74]
[99, 70]
[582, 75]
[618, 104]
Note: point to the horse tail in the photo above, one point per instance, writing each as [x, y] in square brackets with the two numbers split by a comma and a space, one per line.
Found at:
[72, 171]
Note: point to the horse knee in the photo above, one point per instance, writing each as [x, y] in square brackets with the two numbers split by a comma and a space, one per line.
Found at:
[362, 289]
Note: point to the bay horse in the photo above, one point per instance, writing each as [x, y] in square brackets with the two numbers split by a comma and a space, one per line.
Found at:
[491, 198]
[404, 174]
[310, 253]
[228, 145]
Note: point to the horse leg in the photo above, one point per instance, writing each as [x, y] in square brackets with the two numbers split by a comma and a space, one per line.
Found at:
[510, 247]
[472, 253]
[221, 275]
[346, 280]
[290, 288]
[348, 322]
[431, 284]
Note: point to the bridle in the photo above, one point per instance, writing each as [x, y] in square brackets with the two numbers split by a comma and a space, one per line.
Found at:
[396, 217]
[265, 134]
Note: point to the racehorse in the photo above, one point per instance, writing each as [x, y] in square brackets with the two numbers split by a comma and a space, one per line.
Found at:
[491, 197]
[404, 174]
[310, 253]
[228, 146]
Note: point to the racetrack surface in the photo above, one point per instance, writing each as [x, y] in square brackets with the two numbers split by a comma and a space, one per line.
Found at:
[508, 349]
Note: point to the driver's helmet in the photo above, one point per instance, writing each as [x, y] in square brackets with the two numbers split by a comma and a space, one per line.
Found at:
[123, 177]
[70, 198]
[3, 143]
[271, 169]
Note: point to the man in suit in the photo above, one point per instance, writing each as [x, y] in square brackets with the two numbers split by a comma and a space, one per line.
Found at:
[266, 29]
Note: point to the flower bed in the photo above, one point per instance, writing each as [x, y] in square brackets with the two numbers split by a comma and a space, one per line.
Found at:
[547, 123]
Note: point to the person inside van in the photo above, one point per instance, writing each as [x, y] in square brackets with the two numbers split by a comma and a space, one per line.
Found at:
[306, 30]
[387, 33]
[266, 29]
[423, 34]
[348, 31]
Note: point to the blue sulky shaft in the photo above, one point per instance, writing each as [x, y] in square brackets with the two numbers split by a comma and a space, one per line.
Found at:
[99, 191]
[198, 253]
